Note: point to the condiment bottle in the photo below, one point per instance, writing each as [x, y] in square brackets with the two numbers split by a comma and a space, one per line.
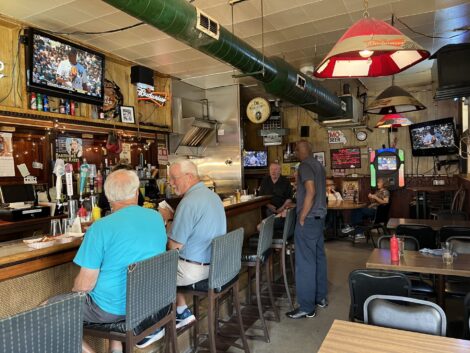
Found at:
[237, 195]
[96, 213]
[394, 249]
[33, 102]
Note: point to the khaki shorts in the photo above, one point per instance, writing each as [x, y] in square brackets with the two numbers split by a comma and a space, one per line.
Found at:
[189, 273]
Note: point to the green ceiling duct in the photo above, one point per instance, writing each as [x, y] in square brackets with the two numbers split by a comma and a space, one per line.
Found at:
[179, 19]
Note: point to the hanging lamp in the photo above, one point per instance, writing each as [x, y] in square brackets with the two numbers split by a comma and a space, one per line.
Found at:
[393, 121]
[394, 100]
[370, 48]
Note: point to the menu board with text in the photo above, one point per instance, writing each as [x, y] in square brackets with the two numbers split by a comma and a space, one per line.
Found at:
[346, 158]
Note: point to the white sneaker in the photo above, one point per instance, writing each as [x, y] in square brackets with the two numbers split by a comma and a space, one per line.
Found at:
[347, 229]
[360, 236]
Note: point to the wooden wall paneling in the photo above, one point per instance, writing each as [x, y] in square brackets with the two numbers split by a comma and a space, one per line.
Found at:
[12, 85]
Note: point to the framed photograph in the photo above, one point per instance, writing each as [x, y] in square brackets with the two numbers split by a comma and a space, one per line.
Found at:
[320, 156]
[127, 114]
[289, 154]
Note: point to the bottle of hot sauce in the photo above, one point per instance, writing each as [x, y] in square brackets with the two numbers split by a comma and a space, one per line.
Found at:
[394, 249]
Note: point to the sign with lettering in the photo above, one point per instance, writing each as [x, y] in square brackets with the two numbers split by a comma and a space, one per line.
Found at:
[336, 136]
[147, 93]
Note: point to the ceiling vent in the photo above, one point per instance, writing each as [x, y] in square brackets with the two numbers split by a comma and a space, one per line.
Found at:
[301, 82]
[207, 25]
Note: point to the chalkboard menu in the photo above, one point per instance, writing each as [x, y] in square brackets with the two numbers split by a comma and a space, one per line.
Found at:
[346, 158]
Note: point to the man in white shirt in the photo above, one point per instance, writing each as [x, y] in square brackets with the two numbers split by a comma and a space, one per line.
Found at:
[72, 74]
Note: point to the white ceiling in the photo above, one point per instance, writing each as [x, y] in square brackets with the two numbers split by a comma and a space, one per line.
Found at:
[301, 31]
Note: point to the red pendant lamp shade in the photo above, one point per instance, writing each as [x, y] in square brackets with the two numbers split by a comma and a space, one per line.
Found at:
[370, 48]
[393, 121]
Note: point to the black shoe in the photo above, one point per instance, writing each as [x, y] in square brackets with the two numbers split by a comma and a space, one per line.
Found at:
[322, 303]
[299, 314]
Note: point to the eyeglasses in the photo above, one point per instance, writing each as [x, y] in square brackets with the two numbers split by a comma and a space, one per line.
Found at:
[172, 177]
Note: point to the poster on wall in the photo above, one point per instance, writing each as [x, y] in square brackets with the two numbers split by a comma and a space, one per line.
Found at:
[349, 188]
[125, 155]
[162, 155]
[70, 149]
[320, 156]
[7, 165]
[336, 136]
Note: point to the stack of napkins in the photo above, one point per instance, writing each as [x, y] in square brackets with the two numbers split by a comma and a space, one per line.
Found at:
[436, 252]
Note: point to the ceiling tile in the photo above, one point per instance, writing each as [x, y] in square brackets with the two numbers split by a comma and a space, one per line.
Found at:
[288, 18]
[91, 26]
[148, 33]
[252, 27]
[93, 8]
[124, 39]
[64, 14]
[9, 7]
[221, 13]
[46, 22]
[333, 24]
[358, 5]
[119, 19]
[412, 7]
[324, 9]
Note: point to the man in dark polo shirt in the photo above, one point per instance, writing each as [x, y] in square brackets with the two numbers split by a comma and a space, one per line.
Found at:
[310, 258]
[279, 187]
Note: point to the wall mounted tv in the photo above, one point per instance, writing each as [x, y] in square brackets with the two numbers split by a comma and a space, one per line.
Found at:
[63, 69]
[345, 158]
[433, 138]
[255, 159]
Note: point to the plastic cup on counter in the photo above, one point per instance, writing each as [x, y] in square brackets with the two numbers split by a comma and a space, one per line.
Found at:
[55, 227]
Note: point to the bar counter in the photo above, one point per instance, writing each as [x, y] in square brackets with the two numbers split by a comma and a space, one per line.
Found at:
[29, 276]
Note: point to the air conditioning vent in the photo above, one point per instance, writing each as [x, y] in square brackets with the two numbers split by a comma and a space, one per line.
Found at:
[301, 82]
[207, 25]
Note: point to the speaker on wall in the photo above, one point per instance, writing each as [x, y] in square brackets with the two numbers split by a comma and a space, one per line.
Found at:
[305, 131]
[141, 74]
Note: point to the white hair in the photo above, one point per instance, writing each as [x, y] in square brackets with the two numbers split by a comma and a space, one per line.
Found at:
[187, 167]
[121, 185]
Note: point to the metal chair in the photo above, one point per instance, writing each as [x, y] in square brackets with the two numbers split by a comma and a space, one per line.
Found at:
[405, 313]
[364, 283]
[451, 231]
[419, 285]
[466, 320]
[454, 285]
[223, 278]
[379, 222]
[48, 328]
[448, 215]
[254, 260]
[282, 244]
[150, 303]
[424, 234]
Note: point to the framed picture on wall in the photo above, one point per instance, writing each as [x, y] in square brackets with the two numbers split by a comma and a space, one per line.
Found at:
[320, 156]
[289, 154]
[127, 114]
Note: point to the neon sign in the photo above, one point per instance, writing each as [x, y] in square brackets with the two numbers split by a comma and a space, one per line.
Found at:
[146, 93]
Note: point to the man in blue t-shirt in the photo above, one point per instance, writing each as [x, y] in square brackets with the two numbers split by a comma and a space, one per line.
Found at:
[199, 218]
[129, 234]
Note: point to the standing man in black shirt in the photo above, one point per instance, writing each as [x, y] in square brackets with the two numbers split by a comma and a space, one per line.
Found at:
[279, 187]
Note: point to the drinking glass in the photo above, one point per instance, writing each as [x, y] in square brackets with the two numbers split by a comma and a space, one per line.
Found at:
[66, 225]
[447, 257]
[55, 227]
[401, 247]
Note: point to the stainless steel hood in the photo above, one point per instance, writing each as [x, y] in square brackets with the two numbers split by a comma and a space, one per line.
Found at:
[191, 127]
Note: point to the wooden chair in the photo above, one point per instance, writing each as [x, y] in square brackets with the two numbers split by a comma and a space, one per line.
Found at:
[49, 328]
[150, 303]
[404, 313]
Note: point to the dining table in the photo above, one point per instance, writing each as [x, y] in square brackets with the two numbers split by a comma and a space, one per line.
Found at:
[422, 191]
[353, 337]
[418, 262]
[436, 225]
[338, 206]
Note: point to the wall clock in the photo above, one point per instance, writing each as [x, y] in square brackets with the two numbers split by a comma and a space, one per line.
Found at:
[361, 135]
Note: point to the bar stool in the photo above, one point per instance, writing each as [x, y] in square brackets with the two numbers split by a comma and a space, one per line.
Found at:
[282, 244]
[47, 328]
[254, 259]
[223, 278]
[151, 294]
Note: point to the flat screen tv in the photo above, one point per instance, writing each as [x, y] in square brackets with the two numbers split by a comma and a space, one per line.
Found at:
[346, 158]
[63, 69]
[433, 138]
[255, 159]
[387, 163]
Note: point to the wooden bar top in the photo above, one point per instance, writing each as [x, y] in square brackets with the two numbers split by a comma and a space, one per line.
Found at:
[436, 225]
[16, 258]
[352, 337]
[414, 261]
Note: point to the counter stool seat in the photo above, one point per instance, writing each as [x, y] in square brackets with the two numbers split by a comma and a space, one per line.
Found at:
[223, 278]
[150, 303]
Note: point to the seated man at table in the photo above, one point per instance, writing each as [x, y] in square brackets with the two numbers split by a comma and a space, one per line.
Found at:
[278, 187]
[129, 234]
[199, 218]
[380, 197]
